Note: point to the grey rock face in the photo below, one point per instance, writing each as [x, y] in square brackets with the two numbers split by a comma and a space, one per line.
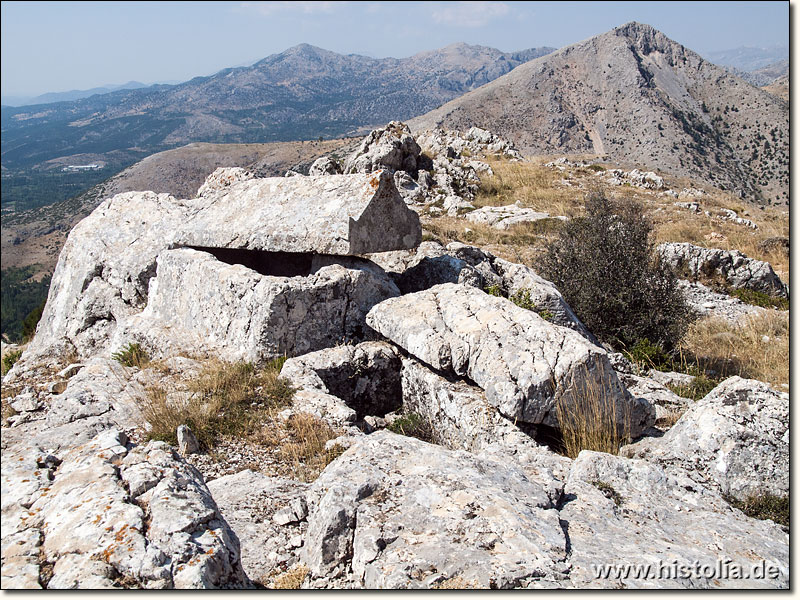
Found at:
[363, 379]
[735, 440]
[734, 267]
[505, 217]
[249, 501]
[104, 271]
[187, 442]
[334, 214]
[391, 147]
[395, 512]
[86, 516]
[325, 165]
[666, 402]
[628, 512]
[198, 303]
[222, 178]
[526, 365]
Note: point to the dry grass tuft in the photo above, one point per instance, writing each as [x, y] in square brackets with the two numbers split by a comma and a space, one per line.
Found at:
[226, 399]
[590, 419]
[292, 579]
[755, 348]
[457, 583]
[302, 448]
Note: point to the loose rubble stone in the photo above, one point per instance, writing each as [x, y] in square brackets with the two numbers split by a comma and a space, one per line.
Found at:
[620, 512]
[395, 512]
[187, 442]
[734, 267]
[735, 440]
[526, 365]
[325, 165]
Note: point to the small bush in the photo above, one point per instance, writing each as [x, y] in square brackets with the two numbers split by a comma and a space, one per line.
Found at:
[522, 298]
[605, 266]
[699, 388]
[292, 579]
[133, 355]
[764, 506]
[413, 425]
[757, 298]
[596, 168]
[494, 290]
[650, 356]
[10, 359]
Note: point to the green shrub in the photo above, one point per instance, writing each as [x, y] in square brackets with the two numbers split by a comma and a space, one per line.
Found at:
[605, 266]
[522, 298]
[757, 298]
[412, 425]
[608, 491]
[699, 388]
[494, 290]
[133, 355]
[9, 360]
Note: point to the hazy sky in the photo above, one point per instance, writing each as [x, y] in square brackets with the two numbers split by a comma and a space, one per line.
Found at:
[59, 46]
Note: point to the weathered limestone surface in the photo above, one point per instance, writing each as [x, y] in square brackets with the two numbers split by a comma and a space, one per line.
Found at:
[621, 512]
[198, 303]
[103, 272]
[391, 147]
[395, 512]
[108, 515]
[526, 365]
[222, 178]
[735, 440]
[731, 265]
[344, 384]
[505, 217]
[666, 402]
[249, 501]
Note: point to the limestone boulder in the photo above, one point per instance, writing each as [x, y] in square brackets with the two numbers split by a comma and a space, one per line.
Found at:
[110, 515]
[735, 440]
[335, 214]
[394, 512]
[198, 303]
[346, 383]
[630, 524]
[529, 368]
[392, 148]
[505, 217]
[325, 165]
[248, 501]
[732, 266]
[222, 178]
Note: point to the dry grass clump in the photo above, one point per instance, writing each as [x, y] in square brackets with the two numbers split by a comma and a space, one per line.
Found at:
[532, 185]
[755, 348]
[292, 579]
[226, 399]
[590, 419]
[457, 583]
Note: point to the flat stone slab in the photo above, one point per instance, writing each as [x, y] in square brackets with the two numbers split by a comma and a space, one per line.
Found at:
[331, 214]
[505, 217]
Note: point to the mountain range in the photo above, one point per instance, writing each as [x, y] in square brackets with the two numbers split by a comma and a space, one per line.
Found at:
[637, 97]
[302, 93]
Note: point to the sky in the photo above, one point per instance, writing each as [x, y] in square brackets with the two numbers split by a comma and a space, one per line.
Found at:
[60, 46]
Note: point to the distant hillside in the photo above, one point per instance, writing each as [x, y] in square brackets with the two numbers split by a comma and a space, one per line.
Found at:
[70, 95]
[747, 58]
[640, 98]
[765, 75]
[302, 93]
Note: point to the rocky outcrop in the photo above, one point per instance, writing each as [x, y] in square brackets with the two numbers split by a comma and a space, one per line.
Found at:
[505, 217]
[736, 269]
[735, 440]
[708, 303]
[392, 148]
[433, 264]
[636, 178]
[475, 142]
[223, 178]
[325, 165]
[527, 366]
[198, 303]
[668, 405]
[630, 516]
[334, 214]
[251, 503]
[345, 384]
[106, 515]
[395, 512]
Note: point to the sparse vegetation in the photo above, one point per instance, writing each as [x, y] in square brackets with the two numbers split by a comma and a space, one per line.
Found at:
[413, 425]
[132, 355]
[292, 579]
[699, 388]
[10, 359]
[764, 506]
[609, 492]
[605, 267]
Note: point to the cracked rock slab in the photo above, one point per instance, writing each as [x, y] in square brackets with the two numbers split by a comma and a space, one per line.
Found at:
[527, 366]
[395, 512]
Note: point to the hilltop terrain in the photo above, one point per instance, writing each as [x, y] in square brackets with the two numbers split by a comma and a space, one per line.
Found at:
[636, 96]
